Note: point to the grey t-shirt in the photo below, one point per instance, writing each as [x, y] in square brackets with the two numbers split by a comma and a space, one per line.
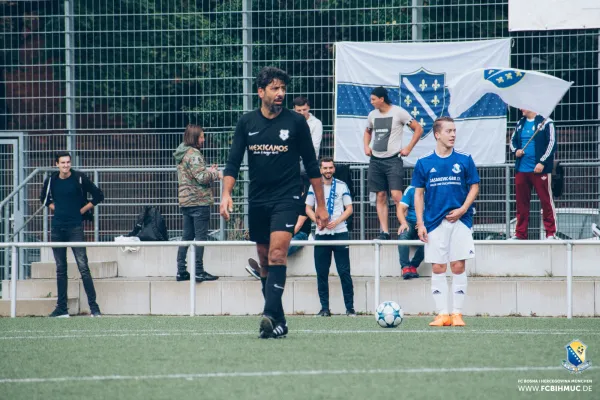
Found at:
[386, 131]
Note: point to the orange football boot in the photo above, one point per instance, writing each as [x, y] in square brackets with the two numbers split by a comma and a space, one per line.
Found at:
[457, 320]
[441, 320]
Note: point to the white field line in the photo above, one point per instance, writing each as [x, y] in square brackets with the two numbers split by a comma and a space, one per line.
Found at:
[168, 333]
[276, 374]
[167, 330]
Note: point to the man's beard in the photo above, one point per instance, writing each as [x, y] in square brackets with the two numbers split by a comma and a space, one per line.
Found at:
[272, 107]
[275, 108]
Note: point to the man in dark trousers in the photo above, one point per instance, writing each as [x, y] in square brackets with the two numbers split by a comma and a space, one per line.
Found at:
[275, 139]
[339, 208]
[65, 192]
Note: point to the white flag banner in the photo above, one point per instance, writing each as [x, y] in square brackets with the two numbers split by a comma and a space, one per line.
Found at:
[415, 75]
[544, 15]
[530, 90]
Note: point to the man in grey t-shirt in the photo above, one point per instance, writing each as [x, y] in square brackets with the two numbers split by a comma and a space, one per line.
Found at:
[383, 143]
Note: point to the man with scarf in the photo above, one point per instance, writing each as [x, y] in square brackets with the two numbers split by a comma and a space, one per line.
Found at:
[339, 207]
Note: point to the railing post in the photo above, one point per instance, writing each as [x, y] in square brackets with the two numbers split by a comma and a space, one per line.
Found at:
[6, 236]
[569, 280]
[13, 283]
[96, 212]
[221, 219]
[192, 269]
[362, 203]
[377, 275]
[45, 219]
[507, 199]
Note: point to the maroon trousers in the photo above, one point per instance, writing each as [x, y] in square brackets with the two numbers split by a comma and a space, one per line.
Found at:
[524, 181]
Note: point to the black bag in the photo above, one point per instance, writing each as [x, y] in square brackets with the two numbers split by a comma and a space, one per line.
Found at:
[150, 226]
[558, 179]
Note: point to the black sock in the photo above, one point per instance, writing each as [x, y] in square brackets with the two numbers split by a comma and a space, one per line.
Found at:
[274, 292]
[263, 281]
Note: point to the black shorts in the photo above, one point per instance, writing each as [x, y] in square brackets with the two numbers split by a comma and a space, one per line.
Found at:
[385, 174]
[274, 217]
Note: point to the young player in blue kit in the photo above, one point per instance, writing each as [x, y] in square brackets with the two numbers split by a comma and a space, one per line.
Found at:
[446, 184]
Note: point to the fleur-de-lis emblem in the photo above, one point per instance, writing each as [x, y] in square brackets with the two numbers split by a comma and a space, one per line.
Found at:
[508, 76]
[435, 101]
[415, 112]
[422, 123]
[423, 85]
[407, 101]
[435, 85]
[500, 80]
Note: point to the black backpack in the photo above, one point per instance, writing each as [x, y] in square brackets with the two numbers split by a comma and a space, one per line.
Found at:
[150, 226]
[558, 179]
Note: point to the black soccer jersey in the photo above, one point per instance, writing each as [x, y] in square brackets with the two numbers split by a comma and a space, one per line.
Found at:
[274, 149]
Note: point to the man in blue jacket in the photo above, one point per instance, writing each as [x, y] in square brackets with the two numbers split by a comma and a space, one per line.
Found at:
[533, 168]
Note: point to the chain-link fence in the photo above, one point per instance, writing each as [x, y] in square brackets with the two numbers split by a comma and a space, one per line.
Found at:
[116, 81]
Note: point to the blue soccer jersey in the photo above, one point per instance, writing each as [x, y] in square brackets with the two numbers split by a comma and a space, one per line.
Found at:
[408, 199]
[446, 182]
[528, 160]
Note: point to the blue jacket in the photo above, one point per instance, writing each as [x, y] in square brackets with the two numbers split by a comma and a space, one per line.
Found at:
[545, 143]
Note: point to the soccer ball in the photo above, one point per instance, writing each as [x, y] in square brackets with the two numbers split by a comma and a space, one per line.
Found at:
[389, 314]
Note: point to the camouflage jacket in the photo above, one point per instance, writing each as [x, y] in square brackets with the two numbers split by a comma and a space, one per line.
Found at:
[193, 177]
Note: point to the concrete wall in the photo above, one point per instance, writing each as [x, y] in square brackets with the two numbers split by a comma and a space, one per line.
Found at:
[496, 260]
[242, 296]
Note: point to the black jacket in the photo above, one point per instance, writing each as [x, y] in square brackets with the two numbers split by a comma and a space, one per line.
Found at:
[85, 184]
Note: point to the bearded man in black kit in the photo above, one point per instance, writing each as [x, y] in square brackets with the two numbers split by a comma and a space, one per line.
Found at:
[275, 138]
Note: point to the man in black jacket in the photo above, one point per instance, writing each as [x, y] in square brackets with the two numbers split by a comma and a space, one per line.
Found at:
[66, 193]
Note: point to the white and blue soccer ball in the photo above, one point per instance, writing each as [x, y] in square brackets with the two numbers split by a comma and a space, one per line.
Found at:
[389, 314]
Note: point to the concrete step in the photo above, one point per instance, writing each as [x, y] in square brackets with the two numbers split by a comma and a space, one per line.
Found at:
[491, 260]
[242, 296]
[37, 307]
[99, 270]
[93, 254]
[39, 288]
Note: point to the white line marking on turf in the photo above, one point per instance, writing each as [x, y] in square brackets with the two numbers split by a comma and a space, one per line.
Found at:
[459, 331]
[163, 330]
[276, 373]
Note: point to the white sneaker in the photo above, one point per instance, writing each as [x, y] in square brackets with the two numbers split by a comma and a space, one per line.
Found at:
[551, 237]
[514, 238]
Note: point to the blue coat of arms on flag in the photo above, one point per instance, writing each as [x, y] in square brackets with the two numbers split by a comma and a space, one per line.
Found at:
[503, 78]
[423, 95]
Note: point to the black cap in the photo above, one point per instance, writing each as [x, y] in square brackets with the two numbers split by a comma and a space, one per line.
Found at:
[381, 92]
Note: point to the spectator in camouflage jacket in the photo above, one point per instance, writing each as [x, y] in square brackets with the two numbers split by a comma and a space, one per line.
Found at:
[195, 199]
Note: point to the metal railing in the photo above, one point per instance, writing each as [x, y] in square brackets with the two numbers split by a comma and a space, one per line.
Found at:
[158, 186]
[375, 243]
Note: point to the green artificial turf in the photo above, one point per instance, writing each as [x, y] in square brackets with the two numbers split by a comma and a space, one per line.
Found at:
[322, 358]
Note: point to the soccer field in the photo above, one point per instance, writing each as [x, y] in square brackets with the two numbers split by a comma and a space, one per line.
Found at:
[322, 358]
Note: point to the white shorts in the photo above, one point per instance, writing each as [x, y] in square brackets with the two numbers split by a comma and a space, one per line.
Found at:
[449, 242]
